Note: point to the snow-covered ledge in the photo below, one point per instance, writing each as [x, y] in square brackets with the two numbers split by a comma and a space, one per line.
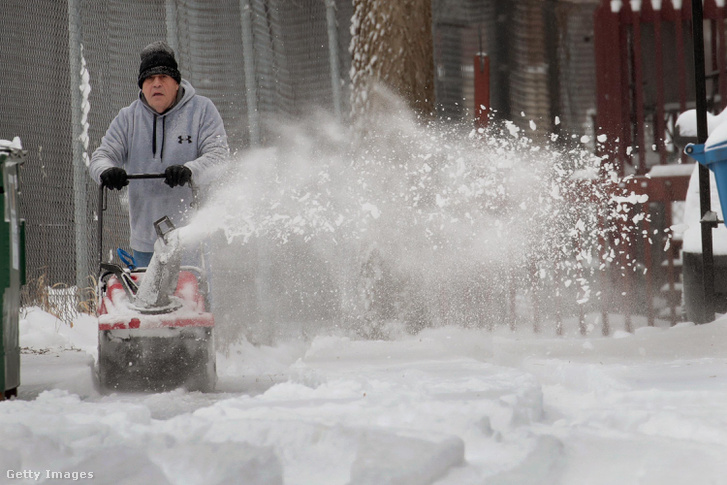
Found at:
[14, 146]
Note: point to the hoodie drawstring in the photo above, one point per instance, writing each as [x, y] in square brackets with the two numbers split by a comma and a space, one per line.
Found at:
[164, 130]
[154, 138]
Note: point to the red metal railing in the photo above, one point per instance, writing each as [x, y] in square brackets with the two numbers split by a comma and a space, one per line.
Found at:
[644, 71]
[628, 44]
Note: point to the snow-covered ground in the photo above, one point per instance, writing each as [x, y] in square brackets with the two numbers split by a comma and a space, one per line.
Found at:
[449, 406]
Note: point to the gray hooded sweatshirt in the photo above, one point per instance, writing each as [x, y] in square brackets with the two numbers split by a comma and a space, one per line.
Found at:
[140, 140]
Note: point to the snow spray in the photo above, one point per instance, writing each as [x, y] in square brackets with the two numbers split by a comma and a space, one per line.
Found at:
[394, 224]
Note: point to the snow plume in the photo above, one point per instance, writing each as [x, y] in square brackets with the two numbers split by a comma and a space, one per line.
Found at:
[396, 225]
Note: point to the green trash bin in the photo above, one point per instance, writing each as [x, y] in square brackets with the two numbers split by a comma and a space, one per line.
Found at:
[12, 266]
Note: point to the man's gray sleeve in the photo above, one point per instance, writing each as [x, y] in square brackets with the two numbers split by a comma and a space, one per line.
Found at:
[213, 149]
[112, 151]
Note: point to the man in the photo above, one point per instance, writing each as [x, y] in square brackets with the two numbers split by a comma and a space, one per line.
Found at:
[169, 129]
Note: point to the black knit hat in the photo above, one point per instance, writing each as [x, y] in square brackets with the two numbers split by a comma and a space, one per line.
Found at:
[158, 58]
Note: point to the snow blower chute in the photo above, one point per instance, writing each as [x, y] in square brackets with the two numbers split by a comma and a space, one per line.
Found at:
[154, 330]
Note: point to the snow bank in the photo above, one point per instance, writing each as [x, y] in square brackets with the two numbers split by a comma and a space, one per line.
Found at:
[42, 331]
[449, 406]
[120, 443]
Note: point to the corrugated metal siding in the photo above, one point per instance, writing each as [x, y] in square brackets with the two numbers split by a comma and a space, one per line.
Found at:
[460, 30]
[542, 60]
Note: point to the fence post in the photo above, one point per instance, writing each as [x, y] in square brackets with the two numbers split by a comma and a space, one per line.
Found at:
[705, 198]
[659, 129]
[172, 30]
[332, 25]
[720, 51]
[638, 87]
[79, 122]
[248, 52]
[609, 108]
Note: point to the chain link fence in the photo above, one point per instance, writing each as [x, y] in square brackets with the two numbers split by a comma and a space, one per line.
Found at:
[67, 67]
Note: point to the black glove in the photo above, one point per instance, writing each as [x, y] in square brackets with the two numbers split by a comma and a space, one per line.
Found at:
[177, 175]
[114, 178]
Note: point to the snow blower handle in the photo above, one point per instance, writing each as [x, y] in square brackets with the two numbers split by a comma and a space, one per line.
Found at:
[102, 204]
[137, 176]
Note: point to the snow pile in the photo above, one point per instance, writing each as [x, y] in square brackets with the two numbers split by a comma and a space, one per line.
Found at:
[115, 443]
[686, 124]
[11, 146]
[43, 332]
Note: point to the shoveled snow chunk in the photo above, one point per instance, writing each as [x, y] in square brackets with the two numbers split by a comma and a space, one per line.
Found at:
[386, 459]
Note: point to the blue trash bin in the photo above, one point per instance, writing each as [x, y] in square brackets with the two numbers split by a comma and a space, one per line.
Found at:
[713, 155]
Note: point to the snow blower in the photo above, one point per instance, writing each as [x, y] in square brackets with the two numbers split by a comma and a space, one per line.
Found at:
[155, 332]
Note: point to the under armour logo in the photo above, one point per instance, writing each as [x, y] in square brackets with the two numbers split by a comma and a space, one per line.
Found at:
[188, 138]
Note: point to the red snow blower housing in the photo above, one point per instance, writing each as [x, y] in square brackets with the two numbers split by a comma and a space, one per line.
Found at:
[155, 332]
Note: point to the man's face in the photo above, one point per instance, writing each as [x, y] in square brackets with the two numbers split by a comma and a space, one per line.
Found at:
[160, 91]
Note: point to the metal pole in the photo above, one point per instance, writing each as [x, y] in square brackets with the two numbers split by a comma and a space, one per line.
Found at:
[705, 197]
[248, 52]
[172, 30]
[263, 324]
[333, 56]
[482, 89]
[80, 142]
[100, 208]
